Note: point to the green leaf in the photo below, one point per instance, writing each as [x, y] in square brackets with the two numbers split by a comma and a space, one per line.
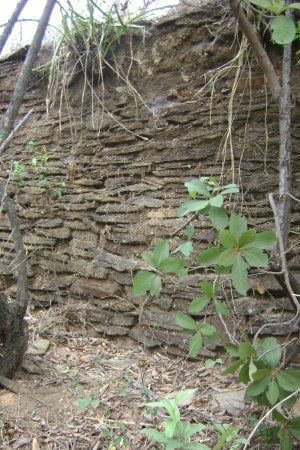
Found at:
[209, 363]
[227, 257]
[207, 329]
[186, 322]
[272, 392]
[218, 217]
[195, 344]
[294, 427]
[286, 440]
[233, 367]
[186, 248]
[171, 265]
[195, 429]
[237, 225]
[293, 6]
[191, 206]
[184, 397]
[95, 403]
[190, 231]
[261, 374]
[227, 239]
[255, 257]
[208, 289]
[288, 381]
[244, 373]
[246, 238]
[197, 187]
[156, 286]
[84, 402]
[245, 350]
[283, 29]
[161, 251]
[239, 274]
[232, 350]
[270, 351]
[154, 435]
[216, 201]
[257, 387]
[148, 258]
[182, 273]
[196, 446]
[221, 308]
[230, 190]
[266, 240]
[170, 426]
[221, 270]
[264, 4]
[252, 369]
[145, 281]
[198, 305]
[209, 257]
[279, 417]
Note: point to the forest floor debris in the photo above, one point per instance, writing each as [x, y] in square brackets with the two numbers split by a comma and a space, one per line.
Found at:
[93, 392]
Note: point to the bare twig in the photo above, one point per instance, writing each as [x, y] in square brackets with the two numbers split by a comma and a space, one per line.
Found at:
[10, 24]
[184, 225]
[284, 271]
[15, 130]
[293, 394]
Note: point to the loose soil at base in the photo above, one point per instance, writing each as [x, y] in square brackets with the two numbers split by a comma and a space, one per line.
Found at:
[116, 377]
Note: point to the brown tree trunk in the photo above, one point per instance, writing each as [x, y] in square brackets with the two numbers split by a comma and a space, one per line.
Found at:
[13, 329]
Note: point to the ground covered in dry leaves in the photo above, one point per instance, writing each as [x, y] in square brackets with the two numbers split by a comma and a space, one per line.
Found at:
[90, 392]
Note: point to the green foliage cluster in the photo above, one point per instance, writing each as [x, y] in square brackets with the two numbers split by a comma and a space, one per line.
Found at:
[283, 27]
[37, 170]
[267, 383]
[239, 249]
[177, 433]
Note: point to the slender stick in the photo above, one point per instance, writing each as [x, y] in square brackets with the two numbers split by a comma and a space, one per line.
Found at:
[15, 130]
[293, 394]
[285, 149]
[10, 24]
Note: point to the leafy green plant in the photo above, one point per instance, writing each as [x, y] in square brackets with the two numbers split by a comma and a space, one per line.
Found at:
[18, 172]
[207, 199]
[88, 401]
[285, 431]
[177, 434]
[283, 28]
[145, 281]
[228, 437]
[259, 363]
[37, 170]
[267, 383]
[241, 248]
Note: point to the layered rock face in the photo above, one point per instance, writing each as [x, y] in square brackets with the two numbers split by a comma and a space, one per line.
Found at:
[113, 166]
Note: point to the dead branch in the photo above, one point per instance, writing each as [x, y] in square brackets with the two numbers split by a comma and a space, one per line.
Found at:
[10, 115]
[285, 148]
[15, 130]
[10, 24]
[257, 48]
